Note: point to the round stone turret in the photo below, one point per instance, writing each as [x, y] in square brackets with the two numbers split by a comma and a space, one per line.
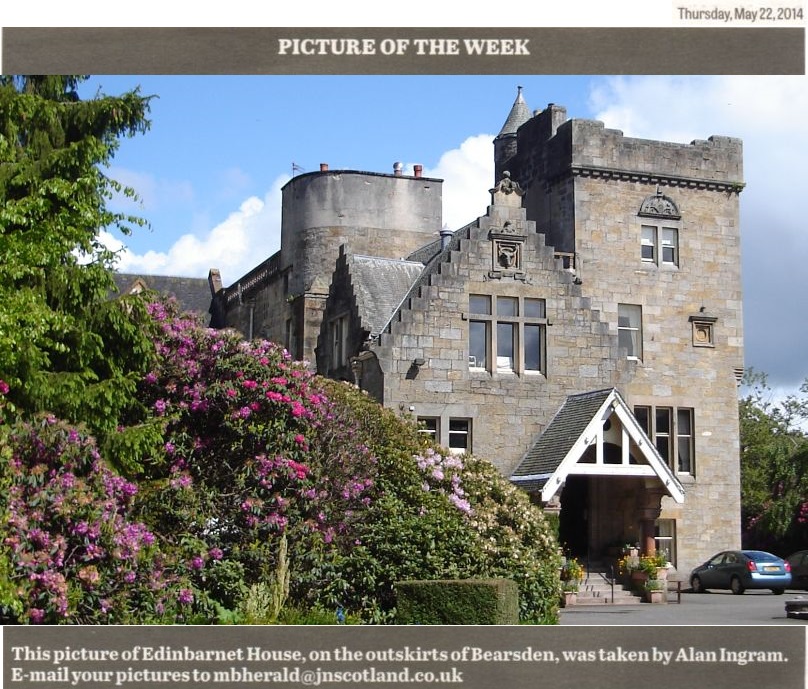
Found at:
[505, 142]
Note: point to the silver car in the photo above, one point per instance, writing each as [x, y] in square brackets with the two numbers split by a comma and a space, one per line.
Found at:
[738, 570]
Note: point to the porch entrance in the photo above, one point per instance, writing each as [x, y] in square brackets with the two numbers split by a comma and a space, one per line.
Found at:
[599, 513]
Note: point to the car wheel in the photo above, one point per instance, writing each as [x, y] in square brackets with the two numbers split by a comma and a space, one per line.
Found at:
[695, 584]
[736, 586]
[778, 592]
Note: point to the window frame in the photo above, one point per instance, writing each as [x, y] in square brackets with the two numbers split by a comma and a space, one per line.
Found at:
[658, 244]
[464, 432]
[646, 415]
[446, 432]
[629, 312]
[424, 423]
[501, 313]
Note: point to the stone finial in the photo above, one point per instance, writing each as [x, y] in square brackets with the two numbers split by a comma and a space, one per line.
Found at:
[507, 192]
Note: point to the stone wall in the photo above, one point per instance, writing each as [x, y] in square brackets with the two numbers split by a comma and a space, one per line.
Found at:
[507, 410]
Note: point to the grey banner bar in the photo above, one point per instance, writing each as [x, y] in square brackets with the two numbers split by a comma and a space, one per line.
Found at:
[468, 657]
[403, 51]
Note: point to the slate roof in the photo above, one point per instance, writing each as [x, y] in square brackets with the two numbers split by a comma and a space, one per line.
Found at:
[380, 285]
[193, 294]
[518, 115]
[558, 438]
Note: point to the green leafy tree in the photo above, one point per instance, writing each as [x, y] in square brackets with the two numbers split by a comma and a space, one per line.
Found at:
[65, 347]
[774, 466]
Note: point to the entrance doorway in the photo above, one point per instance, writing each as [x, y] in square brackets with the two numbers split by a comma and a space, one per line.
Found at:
[573, 527]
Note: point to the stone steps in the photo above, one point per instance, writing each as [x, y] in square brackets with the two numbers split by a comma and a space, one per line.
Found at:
[596, 589]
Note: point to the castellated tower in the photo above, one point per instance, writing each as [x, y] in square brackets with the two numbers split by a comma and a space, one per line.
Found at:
[652, 231]
[374, 214]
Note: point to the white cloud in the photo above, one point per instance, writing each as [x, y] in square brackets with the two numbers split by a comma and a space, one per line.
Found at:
[770, 114]
[234, 246]
[468, 172]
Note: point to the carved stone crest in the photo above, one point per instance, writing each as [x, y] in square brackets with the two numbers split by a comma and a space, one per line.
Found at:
[660, 206]
[507, 243]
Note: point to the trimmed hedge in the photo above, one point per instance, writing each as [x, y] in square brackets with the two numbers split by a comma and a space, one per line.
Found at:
[458, 601]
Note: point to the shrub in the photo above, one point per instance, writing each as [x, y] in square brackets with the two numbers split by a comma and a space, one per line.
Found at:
[256, 448]
[72, 550]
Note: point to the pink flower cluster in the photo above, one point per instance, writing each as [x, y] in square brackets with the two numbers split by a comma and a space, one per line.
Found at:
[443, 474]
[69, 531]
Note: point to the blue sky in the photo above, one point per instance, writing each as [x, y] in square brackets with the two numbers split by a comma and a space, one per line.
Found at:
[210, 169]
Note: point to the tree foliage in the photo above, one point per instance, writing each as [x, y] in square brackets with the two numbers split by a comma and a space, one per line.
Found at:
[774, 466]
[65, 346]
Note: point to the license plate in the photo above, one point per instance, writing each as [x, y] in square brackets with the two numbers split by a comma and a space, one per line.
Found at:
[771, 568]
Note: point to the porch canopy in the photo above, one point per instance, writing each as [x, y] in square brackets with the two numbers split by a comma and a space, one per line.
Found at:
[593, 434]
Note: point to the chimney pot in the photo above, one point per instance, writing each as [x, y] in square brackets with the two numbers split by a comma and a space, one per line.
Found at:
[418, 169]
[323, 167]
[397, 169]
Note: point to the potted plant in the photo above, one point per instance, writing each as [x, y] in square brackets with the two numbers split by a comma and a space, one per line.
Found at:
[655, 566]
[571, 575]
[655, 591]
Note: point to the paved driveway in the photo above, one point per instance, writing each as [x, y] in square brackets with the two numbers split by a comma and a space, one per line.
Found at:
[712, 608]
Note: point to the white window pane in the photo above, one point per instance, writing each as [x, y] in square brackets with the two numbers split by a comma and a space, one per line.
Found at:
[648, 243]
[459, 435]
[670, 245]
[629, 327]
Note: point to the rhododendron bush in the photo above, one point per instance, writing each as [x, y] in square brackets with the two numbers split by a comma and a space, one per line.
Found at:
[72, 550]
[235, 449]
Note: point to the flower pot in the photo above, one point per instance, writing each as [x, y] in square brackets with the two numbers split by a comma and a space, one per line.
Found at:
[655, 596]
[568, 598]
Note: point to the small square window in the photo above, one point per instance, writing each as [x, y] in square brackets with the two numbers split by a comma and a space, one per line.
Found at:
[660, 245]
[534, 308]
[428, 426]
[459, 435]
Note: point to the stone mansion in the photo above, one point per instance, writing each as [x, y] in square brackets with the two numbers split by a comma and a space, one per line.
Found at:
[584, 333]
